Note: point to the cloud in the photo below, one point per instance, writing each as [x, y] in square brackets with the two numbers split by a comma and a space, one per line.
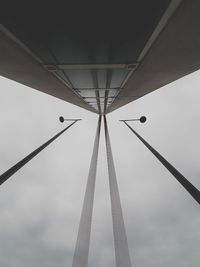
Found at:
[41, 204]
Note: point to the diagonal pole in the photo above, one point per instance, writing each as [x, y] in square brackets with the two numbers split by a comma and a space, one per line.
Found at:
[7, 174]
[81, 252]
[191, 189]
[122, 256]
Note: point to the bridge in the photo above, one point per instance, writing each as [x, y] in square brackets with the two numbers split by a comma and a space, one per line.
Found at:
[101, 55]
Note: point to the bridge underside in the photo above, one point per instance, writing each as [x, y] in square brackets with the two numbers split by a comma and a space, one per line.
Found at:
[100, 55]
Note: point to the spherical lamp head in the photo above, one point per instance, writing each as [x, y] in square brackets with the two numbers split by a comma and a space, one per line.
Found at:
[143, 119]
[61, 119]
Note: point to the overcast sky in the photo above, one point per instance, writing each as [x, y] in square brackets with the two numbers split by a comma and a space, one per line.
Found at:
[41, 204]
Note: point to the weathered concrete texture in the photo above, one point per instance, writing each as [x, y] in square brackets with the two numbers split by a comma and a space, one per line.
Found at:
[18, 65]
[174, 54]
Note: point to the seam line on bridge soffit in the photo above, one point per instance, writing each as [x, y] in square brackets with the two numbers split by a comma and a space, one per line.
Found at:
[54, 67]
[173, 6]
[29, 51]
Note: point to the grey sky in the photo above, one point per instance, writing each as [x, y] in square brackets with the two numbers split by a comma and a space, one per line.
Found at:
[41, 204]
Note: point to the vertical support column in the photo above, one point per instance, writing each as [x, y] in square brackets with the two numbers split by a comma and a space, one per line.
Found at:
[120, 239]
[83, 240]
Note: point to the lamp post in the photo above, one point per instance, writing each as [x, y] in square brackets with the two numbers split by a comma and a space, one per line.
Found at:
[7, 174]
[191, 189]
[62, 119]
[141, 119]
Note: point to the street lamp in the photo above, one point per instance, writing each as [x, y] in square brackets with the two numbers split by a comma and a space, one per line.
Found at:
[192, 190]
[141, 119]
[62, 119]
[7, 174]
